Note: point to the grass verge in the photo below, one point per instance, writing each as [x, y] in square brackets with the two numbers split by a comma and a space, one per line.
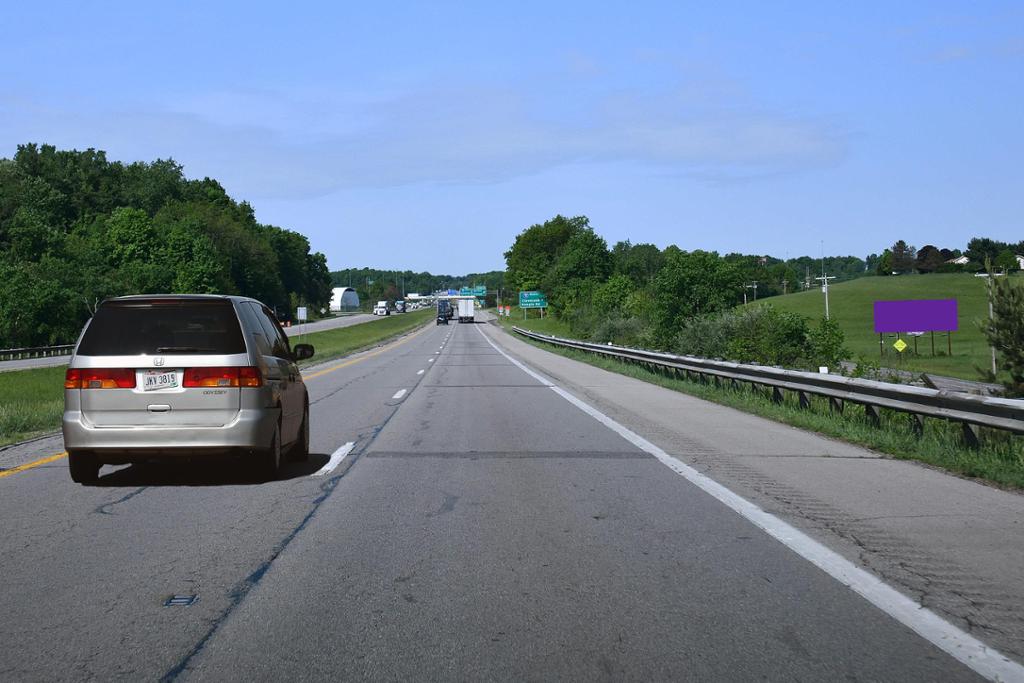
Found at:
[32, 401]
[342, 341]
[1000, 460]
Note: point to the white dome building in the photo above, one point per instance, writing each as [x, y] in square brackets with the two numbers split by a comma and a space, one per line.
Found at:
[344, 299]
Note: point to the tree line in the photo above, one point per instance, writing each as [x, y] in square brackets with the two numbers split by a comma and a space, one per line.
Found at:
[76, 228]
[686, 301]
[902, 258]
[640, 294]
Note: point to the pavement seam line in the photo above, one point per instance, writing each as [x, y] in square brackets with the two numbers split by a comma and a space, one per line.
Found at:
[965, 648]
[34, 463]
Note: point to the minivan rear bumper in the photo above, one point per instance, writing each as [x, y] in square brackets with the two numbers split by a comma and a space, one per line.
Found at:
[251, 429]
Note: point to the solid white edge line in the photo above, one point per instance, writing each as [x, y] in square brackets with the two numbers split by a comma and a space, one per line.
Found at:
[335, 460]
[962, 646]
[399, 394]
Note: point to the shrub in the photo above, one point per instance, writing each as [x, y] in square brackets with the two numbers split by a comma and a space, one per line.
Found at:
[624, 331]
[762, 334]
[826, 344]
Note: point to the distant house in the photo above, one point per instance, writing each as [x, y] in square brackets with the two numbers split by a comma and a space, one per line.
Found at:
[959, 261]
[1020, 261]
[344, 299]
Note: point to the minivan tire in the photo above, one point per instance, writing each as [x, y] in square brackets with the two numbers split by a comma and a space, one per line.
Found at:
[300, 449]
[84, 467]
[268, 461]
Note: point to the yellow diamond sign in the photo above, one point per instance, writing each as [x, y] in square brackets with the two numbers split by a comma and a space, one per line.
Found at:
[900, 345]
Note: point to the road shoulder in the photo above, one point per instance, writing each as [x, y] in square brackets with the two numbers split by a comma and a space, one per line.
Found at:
[952, 544]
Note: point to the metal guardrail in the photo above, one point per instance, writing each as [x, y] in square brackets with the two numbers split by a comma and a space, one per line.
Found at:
[969, 410]
[36, 352]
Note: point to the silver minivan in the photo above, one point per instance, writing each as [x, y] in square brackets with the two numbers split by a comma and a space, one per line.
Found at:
[184, 375]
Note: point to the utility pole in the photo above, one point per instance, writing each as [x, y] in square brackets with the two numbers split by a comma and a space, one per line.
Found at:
[824, 288]
[752, 286]
[991, 315]
[785, 284]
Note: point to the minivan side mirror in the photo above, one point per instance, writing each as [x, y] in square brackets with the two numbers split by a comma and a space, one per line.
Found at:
[302, 351]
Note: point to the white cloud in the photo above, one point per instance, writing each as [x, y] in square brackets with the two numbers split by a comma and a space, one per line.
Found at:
[272, 146]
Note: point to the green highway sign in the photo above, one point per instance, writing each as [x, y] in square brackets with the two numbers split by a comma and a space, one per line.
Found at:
[473, 291]
[532, 300]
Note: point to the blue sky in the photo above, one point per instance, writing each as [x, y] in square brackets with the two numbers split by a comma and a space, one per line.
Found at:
[426, 136]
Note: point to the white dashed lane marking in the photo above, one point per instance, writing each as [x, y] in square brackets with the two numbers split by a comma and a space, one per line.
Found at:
[335, 460]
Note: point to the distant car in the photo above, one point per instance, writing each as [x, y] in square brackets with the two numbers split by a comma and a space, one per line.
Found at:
[183, 376]
[381, 308]
[399, 306]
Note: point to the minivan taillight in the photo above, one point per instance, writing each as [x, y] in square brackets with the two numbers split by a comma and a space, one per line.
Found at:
[223, 377]
[99, 378]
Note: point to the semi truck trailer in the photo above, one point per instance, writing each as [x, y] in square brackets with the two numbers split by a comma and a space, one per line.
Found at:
[466, 310]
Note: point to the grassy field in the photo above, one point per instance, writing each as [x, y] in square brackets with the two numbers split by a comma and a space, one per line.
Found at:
[546, 325]
[1000, 460]
[31, 401]
[851, 305]
[342, 341]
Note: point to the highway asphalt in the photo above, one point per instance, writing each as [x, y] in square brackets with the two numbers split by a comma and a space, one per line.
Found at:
[476, 525]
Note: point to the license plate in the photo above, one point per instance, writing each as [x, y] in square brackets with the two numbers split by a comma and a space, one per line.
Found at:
[159, 379]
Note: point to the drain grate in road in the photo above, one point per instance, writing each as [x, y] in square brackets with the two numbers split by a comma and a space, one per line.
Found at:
[181, 600]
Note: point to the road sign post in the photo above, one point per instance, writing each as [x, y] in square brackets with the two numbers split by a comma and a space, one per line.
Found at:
[532, 299]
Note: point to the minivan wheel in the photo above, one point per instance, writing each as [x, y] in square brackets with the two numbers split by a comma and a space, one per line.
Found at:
[300, 449]
[83, 466]
[269, 460]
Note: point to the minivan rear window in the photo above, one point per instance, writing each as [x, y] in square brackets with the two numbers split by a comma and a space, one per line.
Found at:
[159, 326]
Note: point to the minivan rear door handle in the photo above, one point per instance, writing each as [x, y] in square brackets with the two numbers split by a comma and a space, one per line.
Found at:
[159, 408]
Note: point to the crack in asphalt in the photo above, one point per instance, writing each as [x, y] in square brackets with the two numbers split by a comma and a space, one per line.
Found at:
[238, 594]
[105, 508]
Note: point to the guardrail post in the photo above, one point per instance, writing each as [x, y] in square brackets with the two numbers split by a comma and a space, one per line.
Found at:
[777, 395]
[835, 404]
[917, 424]
[872, 414]
[805, 401]
[970, 434]
[734, 384]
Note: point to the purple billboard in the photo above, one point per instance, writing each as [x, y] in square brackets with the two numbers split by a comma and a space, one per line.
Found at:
[916, 315]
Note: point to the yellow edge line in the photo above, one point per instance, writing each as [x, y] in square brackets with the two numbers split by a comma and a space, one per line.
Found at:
[368, 355]
[30, 465]
[58, 456]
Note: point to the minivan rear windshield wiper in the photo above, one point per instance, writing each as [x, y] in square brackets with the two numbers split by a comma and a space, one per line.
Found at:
[183, 349]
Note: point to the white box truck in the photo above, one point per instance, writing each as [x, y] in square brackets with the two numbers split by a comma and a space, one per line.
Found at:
[466, 310]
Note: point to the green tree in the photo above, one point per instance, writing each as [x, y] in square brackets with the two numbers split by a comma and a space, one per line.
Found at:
[903, 256]
[885, 266]
[611, 296]
[929, 259]
[537, 249]
[692, 284]
[1005, 329]
[1006, 261]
